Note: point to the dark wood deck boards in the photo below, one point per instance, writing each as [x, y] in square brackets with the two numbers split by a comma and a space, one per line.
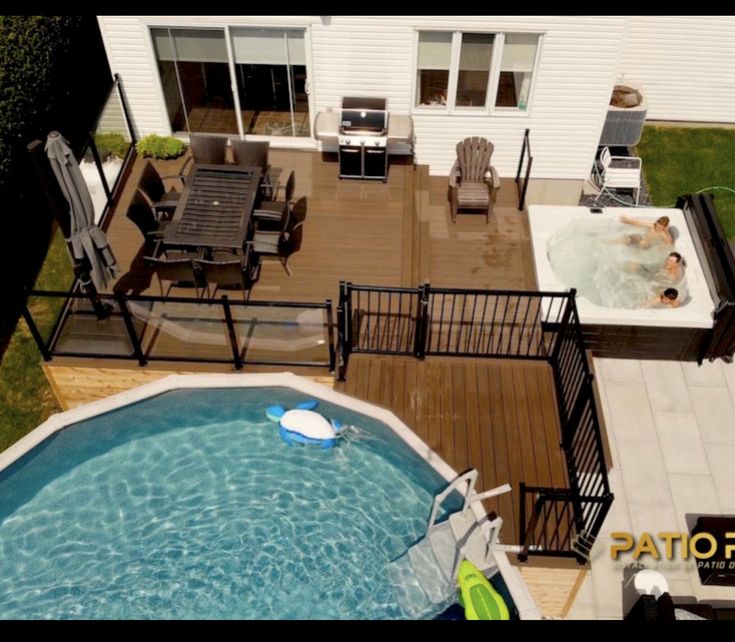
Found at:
[393, 234]
[498, 416]
[364, 232]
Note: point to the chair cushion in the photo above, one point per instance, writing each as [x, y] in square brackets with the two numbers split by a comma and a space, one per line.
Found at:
[473, 194]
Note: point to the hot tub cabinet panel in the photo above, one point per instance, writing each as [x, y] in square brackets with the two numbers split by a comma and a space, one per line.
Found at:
[645, 342]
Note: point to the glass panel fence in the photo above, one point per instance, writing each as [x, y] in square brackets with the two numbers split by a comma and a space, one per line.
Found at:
[113, 140]
[82, 331]
[279, 334]
[181, 329]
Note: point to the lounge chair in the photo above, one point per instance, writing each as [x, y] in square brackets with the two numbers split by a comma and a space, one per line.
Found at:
[473, 182]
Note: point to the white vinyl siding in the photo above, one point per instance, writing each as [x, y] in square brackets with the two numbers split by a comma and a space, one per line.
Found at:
[685, 64]
[376, 56]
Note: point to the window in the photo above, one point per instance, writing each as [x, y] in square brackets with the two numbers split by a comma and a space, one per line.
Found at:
[435, 54]
[269, 68]
[270, 65]
[516, 70]
[481, 72]
[475, 57]
[196, 79]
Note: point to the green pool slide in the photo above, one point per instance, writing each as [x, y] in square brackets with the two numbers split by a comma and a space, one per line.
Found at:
[479, 599]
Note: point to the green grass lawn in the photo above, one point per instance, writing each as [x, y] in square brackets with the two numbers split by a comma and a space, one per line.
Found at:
[682, 160]
[26, 399]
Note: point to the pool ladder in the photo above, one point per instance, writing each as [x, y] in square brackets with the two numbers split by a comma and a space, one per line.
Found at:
[425, 576]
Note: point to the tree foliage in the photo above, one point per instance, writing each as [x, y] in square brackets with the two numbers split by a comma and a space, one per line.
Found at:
[32, 48]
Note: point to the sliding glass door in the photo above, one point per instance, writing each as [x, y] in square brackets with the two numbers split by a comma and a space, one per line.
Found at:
[270, 69]
[195, 76]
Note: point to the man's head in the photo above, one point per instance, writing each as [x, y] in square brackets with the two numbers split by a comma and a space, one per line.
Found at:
[661, 223]
[669, 296]
[673, 259]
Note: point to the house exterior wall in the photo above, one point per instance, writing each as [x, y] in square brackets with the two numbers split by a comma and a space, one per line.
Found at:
[685, 64]
[376, 56]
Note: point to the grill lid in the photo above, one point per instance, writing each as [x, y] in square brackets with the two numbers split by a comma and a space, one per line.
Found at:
[364, 115]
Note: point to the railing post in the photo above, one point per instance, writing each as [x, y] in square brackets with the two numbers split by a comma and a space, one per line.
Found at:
[341, 342]
[124, 103]
[330, 332]
[100, 171]
[523, 156]
[344, 323]
[348, 318]
[127, 319]
[35, 332]
[422, 321]
[231, 333]
[526, 147]
[525, 182]
[522, 557]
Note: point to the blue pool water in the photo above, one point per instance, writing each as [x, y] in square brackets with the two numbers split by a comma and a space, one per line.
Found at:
[189, 505]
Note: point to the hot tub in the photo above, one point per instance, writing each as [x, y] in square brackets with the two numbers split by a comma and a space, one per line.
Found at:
[666, 333]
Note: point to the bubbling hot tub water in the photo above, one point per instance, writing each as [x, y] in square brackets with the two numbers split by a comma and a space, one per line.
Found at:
[586, 255]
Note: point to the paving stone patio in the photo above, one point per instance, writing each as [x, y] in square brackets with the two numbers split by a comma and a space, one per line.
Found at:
[671, 427]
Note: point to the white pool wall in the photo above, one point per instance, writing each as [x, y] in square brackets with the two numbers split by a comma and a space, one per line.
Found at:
[545, 220]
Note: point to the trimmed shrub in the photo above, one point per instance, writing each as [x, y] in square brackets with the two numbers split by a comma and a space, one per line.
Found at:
[111, 144]
[156, 146]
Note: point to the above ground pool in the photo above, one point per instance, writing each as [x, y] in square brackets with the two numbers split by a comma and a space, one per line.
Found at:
[190, 505]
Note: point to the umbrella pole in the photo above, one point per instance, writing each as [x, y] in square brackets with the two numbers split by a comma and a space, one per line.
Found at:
[58, 206]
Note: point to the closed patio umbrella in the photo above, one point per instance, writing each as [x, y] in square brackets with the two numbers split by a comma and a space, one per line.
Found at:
[86, 238]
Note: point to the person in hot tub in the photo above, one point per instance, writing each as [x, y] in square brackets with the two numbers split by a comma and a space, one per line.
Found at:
[669, 298]
[671, 273]
[658, 231]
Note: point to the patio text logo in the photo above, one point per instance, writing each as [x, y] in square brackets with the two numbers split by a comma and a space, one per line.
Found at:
[702, 546]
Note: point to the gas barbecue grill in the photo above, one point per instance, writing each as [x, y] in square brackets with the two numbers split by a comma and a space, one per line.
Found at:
[363, 139]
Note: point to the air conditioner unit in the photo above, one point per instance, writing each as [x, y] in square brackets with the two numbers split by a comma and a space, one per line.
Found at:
[626, 116]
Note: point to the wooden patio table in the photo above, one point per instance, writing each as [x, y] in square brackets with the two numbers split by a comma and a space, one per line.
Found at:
[215, 207]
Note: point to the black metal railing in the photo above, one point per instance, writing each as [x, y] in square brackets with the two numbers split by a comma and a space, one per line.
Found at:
[588, 498]
[501, 324]
[113, 118]
[448, 321]
[492, 323]
[521, 176]
[201, 330]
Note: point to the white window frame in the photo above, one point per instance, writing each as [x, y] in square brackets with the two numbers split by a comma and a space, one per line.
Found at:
[493, 77]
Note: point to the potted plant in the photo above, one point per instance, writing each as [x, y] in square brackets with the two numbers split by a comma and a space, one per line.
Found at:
[110, 145]
[160, 147]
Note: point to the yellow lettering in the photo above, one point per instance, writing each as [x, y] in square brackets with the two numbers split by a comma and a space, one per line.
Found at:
[646, 545]
[697, 553]
[616, 549]
[729, 548]
[669, 538]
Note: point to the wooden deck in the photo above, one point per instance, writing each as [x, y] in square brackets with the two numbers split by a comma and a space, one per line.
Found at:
[394, 234]
[397, 233]
[498, 416]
